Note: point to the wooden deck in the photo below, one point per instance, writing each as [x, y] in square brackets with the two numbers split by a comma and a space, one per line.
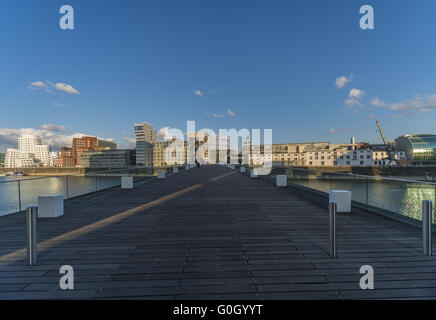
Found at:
[211, 233]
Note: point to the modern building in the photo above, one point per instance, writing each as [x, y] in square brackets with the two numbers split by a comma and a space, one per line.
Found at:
[325, 155]
[2, 159]
[146, 137]
[66, 158]
[120, 158]
[420, 149]
[53, 157]
[80, 145]
[30, 153]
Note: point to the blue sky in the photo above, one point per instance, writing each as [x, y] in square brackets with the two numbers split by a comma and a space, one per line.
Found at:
[273, 64]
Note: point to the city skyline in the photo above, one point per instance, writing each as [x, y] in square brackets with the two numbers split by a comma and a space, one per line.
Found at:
[304, 69]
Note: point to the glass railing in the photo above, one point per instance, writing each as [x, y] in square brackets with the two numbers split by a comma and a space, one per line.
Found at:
[398, 198]
[16, 193]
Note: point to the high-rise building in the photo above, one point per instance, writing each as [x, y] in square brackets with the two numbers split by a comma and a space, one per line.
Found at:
[145, 140]
[31, 152]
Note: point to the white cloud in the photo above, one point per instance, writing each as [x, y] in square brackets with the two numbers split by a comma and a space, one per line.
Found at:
[131, 142]
[332, 131]
[66, 88]
[355, 96]
[371, 116]
[228, 113]
[38, 84]
[356, 93]
[352, 102]
[423, 104]
[378, 103]
[198, 93]
[163, 134]
[342, 81]
[58, 104]
[54, 127]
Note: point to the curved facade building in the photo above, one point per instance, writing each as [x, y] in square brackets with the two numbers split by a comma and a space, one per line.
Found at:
[420, 148]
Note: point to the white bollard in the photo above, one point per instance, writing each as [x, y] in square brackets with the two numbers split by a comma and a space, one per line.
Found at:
[253, 173]
[187, 167]
[161, 174]
[126, 182]
[175, 170]
[50, 206]
[242, 169]
[281, 180]
[342, 199]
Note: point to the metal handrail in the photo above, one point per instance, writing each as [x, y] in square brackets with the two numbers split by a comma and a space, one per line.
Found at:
[65, 175]
[366, 176]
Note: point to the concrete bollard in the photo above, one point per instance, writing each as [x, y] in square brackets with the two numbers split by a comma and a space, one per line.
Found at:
[126, 182]
[161, 174]
[242, 169]
[50, 206]
[253, 173]
[175, 170]
[342, 198]
[281, 180]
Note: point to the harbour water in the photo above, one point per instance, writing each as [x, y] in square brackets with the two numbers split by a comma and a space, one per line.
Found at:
[13, 189]
[400, 197]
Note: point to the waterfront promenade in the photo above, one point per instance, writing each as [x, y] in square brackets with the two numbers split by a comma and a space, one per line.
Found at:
[212, 233]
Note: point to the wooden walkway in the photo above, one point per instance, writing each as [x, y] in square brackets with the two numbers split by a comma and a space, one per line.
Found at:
[211, 233]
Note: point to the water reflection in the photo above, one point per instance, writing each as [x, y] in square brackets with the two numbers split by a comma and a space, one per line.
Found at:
[400, 197]
[71, 186]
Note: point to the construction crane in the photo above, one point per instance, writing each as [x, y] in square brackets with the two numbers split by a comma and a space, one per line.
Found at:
[388, 147]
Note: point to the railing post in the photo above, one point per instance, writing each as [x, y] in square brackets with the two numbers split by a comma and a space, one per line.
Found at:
[19, 196]
[332, 225]
[66, 185]
[31, 214]
[367, 192]
[426, 227]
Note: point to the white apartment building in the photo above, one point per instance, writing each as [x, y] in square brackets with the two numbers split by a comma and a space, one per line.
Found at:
[53, 156]
[329, 158]
[30, 153]
[145, 139]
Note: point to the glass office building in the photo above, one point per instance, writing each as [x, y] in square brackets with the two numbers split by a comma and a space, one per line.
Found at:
[420, 148]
